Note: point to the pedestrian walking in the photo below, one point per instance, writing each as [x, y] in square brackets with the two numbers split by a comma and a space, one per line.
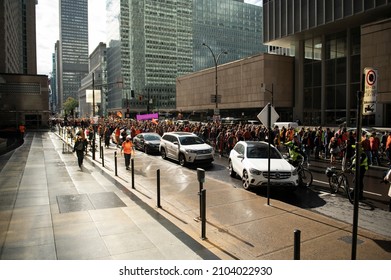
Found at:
[79, 149]
[127, 150]
[22, 130]
[387, 178]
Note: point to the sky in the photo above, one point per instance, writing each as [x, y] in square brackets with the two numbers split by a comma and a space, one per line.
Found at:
[48, 29]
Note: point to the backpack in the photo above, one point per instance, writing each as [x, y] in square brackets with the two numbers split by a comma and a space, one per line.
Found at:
[79, 146]
[334, 143]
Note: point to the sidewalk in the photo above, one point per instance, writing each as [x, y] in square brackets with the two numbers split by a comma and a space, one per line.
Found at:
[111, 220]
[240, 224]
[50, 210]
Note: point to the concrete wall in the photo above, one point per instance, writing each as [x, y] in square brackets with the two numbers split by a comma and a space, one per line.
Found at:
[376, 53]
[239, 84]
[21, 96]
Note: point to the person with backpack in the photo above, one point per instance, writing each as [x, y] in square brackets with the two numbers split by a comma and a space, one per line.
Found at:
[79, 147]
[334, 148]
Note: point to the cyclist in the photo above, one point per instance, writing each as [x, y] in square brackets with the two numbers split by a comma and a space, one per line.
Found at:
[295, 152]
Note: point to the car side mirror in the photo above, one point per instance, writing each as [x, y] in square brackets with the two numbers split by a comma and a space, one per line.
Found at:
[241, 156]
[176, 143]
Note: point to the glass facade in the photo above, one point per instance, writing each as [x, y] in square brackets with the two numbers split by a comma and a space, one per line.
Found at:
[150, 44]
[153, 42]
[341, 71]
[73, 46]
[225, 25]
[327, 52]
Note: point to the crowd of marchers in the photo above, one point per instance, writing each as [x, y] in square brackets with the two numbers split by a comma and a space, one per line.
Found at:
[333, 144]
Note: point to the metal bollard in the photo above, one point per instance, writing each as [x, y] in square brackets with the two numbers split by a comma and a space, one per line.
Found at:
[115, 164]
[132, 160]
[100, 147]
[296, 248]
[201, 180]
[203, 214]
[103, 156]
[158, 188]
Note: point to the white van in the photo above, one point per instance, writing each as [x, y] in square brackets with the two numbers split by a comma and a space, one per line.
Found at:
[286, 124]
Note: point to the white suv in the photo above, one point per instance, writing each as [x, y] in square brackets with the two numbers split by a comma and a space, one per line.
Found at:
[185, 147]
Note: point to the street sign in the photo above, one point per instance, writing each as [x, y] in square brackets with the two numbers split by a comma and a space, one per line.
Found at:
[262, 116]
[370, 91]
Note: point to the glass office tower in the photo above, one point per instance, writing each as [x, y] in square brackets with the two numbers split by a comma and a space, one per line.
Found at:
[153, 42]
[149, 45]
[73, 64]
[225, 25]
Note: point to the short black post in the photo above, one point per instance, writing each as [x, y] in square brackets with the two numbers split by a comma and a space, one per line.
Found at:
[115, 164]
[203, 214]
[158, 188]
[100, 146]
[63, 148]
[103, 156]
[132, 160]
[296, 248]
[201, 180]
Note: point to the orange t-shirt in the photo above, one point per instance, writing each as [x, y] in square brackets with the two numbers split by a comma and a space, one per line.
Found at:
[127, 147]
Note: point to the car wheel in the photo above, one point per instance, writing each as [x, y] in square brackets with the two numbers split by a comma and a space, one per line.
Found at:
[232, 173]
[182, 160]
[245, 180]
[163, 153]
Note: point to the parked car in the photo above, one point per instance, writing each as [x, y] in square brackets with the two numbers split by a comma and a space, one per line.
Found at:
[148, 142]
[185, 147]
[249, 160]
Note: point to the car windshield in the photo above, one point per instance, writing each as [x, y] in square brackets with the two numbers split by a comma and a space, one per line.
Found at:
[192, 140]
[262, 152]
[150, 137]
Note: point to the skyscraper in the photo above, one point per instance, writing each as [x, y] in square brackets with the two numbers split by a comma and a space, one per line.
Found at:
[73, 62]
[149, 43]
[153, 42]
[18, 37]
[225, 25]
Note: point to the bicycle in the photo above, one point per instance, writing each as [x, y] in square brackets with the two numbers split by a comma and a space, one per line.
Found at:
[305, 175]
[339, 180]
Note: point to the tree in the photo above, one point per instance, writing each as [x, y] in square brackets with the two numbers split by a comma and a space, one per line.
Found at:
[69, 105]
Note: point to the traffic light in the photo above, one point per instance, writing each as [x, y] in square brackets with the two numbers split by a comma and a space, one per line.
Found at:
[132, 93]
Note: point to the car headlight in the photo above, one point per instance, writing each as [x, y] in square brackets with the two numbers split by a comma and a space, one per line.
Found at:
[190, 151]
[255, 171]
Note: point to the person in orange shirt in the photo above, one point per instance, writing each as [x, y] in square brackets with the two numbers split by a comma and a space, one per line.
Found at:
[117, 134]
[388, 147]
[22, 130]
[127, 150]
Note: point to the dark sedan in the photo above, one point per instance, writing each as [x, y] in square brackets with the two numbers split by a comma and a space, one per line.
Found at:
[148, 142]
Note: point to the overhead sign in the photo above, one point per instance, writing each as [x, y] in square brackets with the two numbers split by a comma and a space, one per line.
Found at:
[263, 115]
[90, 94]
[370, 91]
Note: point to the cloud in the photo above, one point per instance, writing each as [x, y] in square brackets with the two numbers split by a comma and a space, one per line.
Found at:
[47, 17]
[47, 29]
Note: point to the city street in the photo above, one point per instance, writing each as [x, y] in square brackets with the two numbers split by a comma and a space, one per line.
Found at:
[373, 211]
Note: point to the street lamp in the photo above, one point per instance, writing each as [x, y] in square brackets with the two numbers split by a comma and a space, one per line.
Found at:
[216, 60]
[264, 89]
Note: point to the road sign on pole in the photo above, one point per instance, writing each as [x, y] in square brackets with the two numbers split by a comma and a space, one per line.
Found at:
[263, 116]
[370, 91]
